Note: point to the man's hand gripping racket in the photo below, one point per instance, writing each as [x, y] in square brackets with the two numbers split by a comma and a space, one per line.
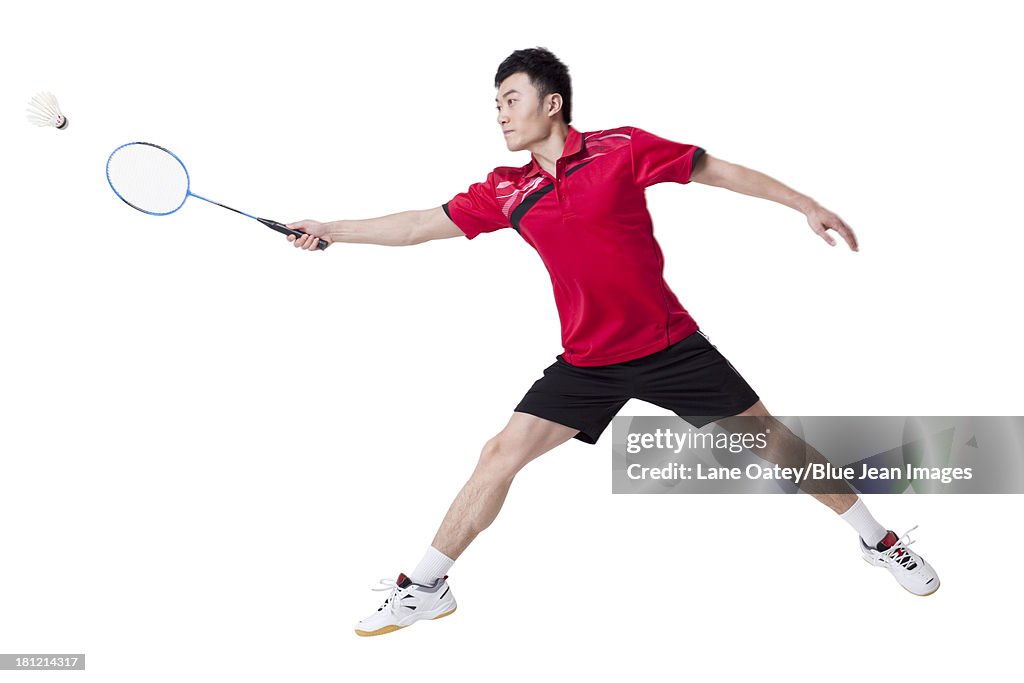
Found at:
[310, 234]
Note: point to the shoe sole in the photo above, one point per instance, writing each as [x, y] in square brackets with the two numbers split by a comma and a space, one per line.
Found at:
[920, 595]
[392, 628]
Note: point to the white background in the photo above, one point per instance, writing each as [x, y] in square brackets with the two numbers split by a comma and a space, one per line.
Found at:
[213, 445]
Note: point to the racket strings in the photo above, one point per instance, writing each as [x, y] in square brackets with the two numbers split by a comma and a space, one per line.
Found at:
[148, 178]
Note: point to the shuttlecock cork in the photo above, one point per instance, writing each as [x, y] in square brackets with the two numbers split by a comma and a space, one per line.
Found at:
[43, 110]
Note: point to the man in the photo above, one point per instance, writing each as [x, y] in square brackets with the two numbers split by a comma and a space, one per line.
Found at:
[580, 204]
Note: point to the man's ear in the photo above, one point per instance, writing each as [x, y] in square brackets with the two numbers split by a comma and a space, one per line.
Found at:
[554, 104]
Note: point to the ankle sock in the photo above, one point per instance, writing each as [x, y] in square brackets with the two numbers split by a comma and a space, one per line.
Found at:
[859, 517]
[432, 567]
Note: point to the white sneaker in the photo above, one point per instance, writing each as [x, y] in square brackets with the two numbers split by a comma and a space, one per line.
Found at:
[409, 602]
[909, 568]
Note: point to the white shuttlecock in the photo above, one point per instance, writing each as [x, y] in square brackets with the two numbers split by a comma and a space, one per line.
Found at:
[43, 110]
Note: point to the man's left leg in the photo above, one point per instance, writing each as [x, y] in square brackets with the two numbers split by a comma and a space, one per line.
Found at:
[879, 546]
[787, 449]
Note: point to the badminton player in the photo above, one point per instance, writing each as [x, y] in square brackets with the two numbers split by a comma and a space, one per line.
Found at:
[579, 201]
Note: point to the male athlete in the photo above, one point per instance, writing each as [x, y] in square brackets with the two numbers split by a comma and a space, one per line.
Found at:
[580, 203]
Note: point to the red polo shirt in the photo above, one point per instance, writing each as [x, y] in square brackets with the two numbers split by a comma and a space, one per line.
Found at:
[591, 227]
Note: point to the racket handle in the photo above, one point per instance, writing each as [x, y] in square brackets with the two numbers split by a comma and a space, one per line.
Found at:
[285, 230]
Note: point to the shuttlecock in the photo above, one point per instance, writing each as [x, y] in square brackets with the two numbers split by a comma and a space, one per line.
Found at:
[43, 110]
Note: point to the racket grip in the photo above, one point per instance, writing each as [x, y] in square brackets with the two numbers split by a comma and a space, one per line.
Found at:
[285, 230]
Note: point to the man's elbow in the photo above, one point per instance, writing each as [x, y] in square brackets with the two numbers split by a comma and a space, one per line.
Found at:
[431, 224]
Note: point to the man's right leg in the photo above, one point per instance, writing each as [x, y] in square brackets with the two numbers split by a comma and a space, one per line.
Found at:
[524, 438]
[425, 593]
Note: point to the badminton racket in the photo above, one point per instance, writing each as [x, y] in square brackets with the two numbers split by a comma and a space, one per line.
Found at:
[154, 180]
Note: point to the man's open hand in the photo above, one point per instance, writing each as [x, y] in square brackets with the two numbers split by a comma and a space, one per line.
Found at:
[822, 220]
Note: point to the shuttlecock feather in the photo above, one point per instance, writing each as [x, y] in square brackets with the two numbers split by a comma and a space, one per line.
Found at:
[43, 110]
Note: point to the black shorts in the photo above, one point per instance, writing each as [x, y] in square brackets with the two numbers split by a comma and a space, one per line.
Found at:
[690, 378]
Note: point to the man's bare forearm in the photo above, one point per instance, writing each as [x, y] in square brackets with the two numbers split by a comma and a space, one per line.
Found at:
[756, 184]
[395, 230]
[713, 171]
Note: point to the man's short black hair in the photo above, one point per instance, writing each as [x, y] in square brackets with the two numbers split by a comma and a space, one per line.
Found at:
[547, 74]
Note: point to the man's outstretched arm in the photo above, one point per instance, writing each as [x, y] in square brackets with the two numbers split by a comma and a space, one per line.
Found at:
[712, 171]
[396, 230]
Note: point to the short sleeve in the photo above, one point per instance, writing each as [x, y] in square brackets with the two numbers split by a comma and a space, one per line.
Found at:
[656, 160]
[476, 210]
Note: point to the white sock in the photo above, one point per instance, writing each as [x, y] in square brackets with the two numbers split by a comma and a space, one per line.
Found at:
[432, 567]
[859, 517]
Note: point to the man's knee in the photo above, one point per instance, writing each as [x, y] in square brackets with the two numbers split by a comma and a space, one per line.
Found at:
[501, 456]
[753, 419]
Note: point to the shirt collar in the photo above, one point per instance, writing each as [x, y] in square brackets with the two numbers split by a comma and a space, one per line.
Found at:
[573, 145]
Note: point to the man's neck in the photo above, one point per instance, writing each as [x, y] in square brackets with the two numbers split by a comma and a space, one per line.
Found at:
[547, 151]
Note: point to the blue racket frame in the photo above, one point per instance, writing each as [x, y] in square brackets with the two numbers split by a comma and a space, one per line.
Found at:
[273, 225]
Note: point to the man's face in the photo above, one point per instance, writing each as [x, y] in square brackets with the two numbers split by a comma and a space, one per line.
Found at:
[521, 113]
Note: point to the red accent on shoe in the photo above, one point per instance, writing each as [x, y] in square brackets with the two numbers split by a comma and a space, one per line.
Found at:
[889, 540]
[402, 581]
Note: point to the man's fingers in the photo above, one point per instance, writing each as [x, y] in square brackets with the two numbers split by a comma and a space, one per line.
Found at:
[822, 231]
[850, 237]
[303, 240]
[844, 231]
